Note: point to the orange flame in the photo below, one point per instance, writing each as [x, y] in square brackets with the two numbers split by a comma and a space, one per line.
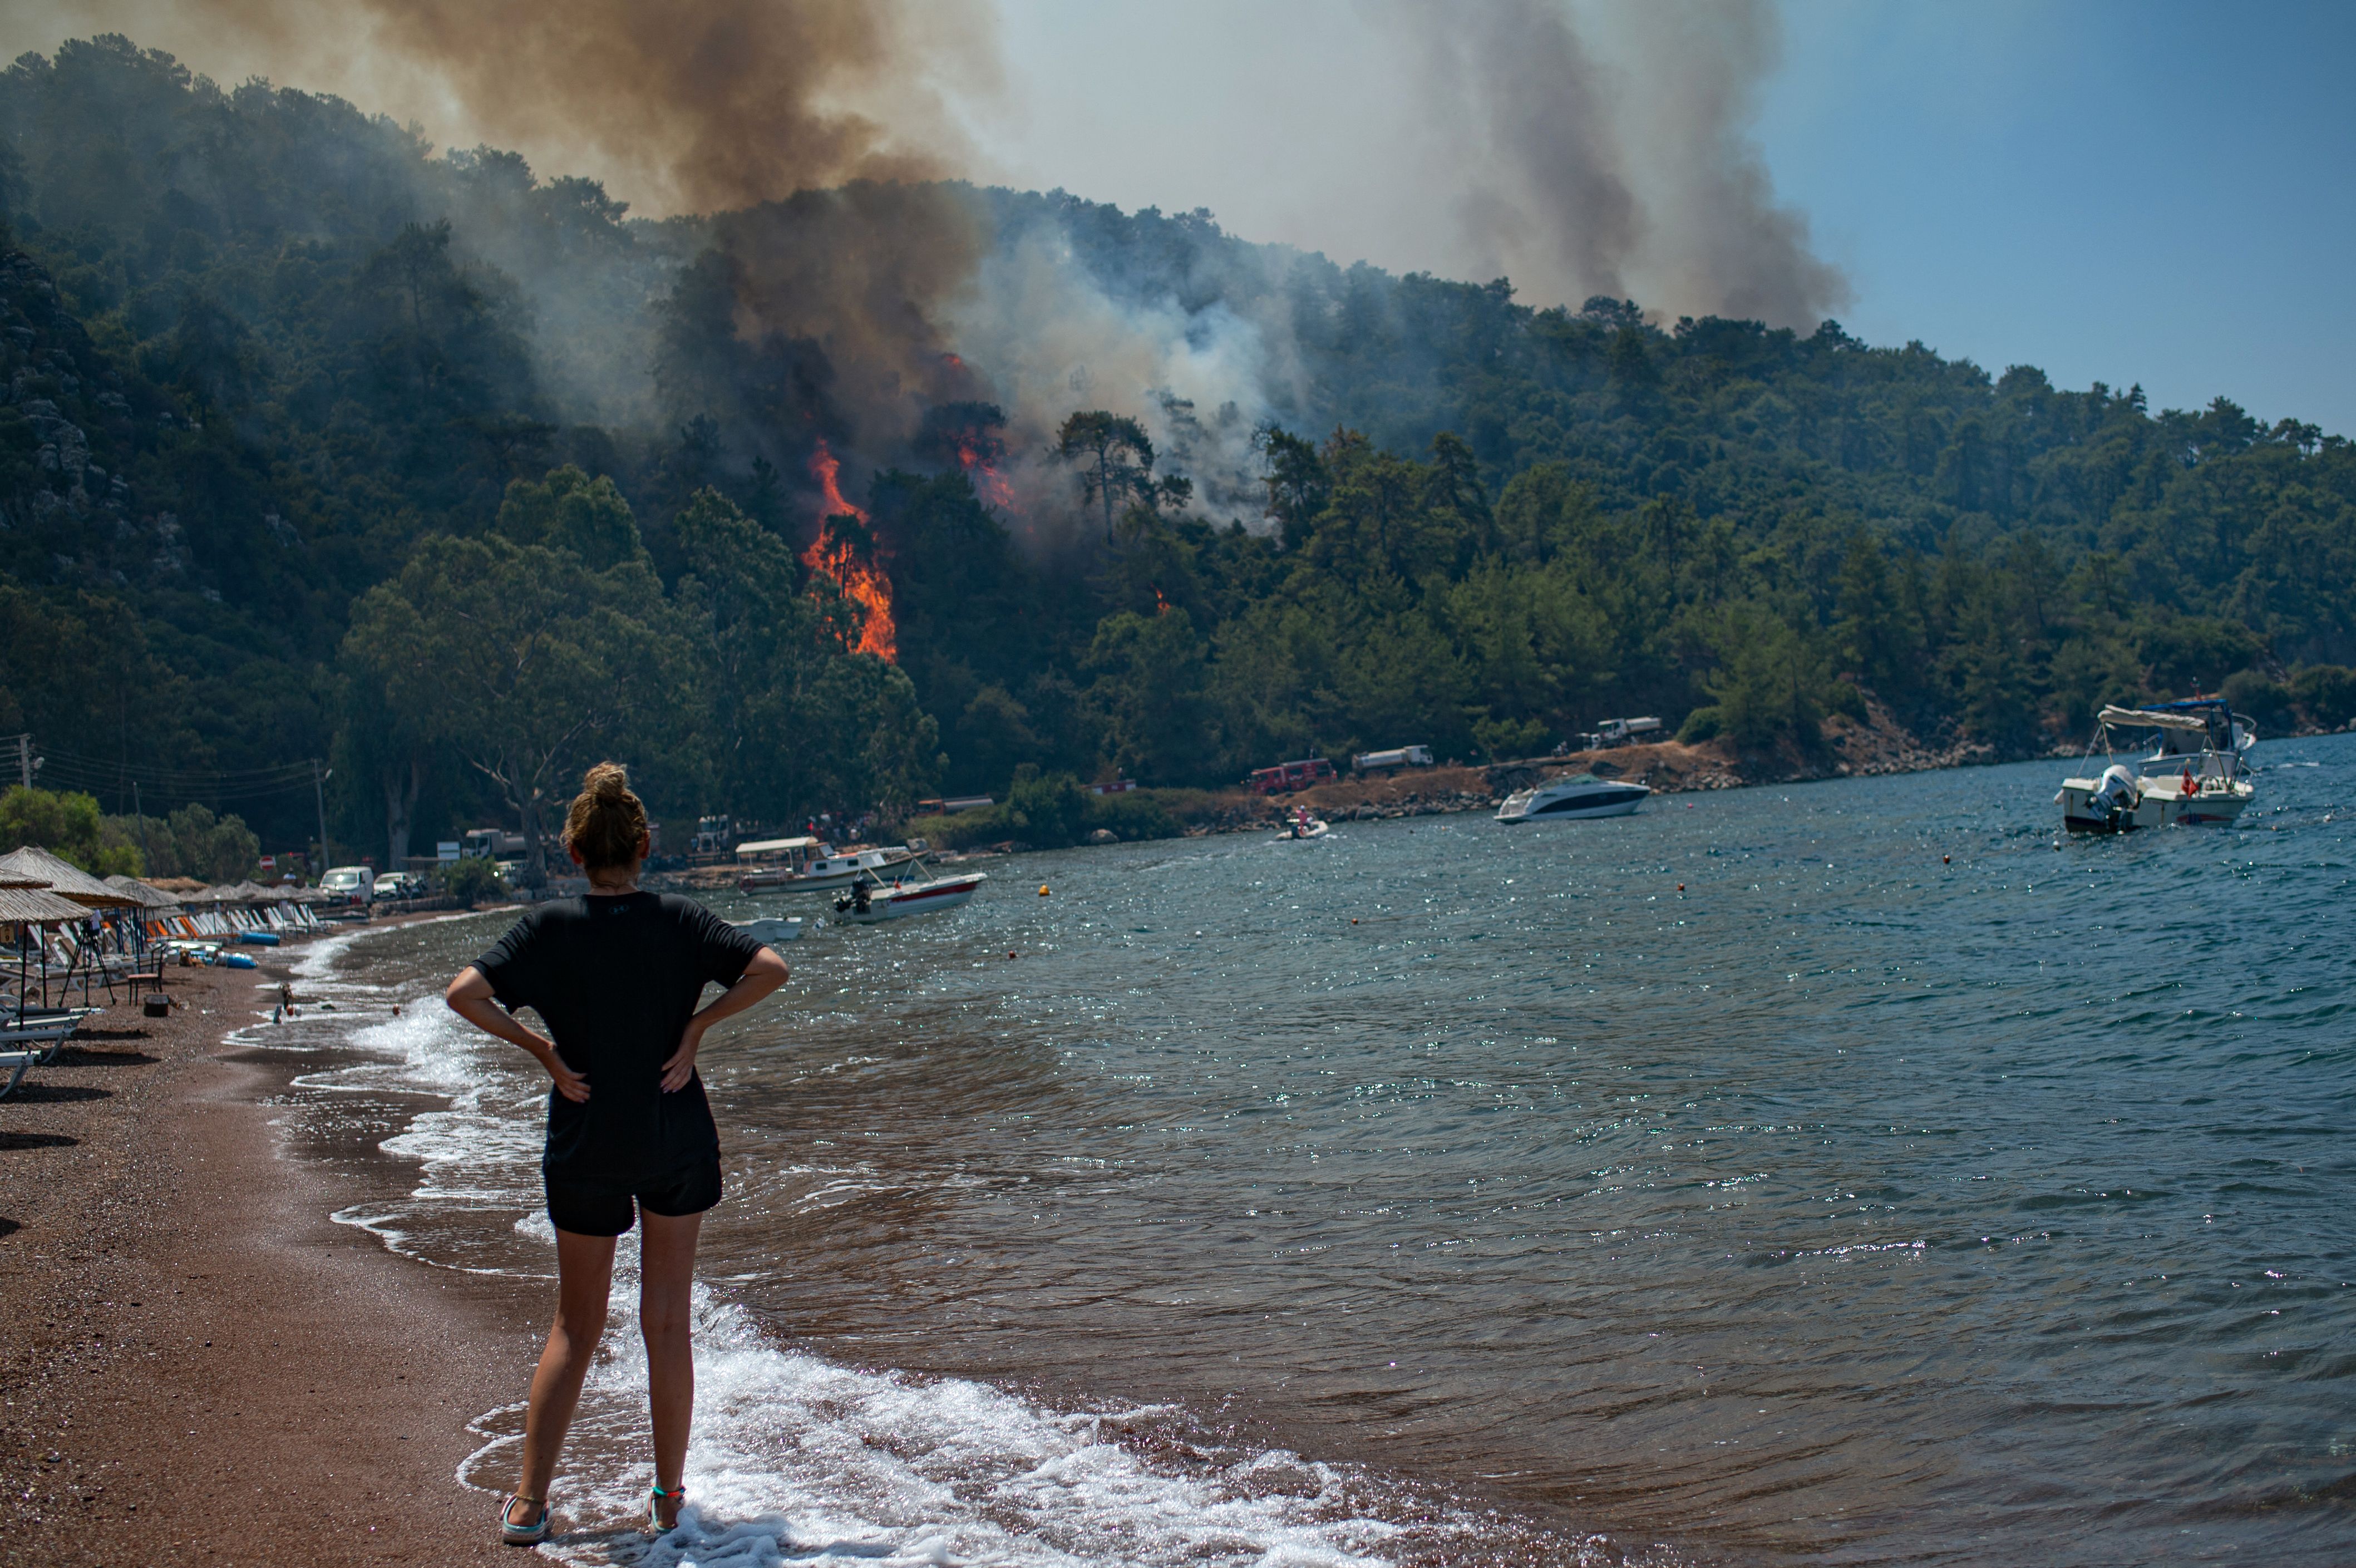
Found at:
[979, 460]
[845, 557]
[1161, 604]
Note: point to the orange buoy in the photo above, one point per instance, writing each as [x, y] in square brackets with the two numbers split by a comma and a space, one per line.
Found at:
[1043, 890]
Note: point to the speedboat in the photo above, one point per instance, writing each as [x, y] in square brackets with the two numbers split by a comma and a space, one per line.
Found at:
[1578, 795]
[827, 871]
[872, 900]
[1303, 828]
[772, 930]
[2197, 773]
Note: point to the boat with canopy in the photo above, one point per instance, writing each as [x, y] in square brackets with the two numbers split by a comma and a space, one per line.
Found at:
[2195, 773]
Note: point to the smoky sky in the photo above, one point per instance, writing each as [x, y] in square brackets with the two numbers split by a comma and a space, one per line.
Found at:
[676, 107]
[1605, 151]
[1578, 148]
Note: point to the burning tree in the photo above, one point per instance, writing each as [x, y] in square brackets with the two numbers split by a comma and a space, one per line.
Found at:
[845, 553]
[972, 436]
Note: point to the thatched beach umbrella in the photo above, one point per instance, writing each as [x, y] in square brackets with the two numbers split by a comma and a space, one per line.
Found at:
[153, 903]
[64, 878]
[25, 903]
[145, 896]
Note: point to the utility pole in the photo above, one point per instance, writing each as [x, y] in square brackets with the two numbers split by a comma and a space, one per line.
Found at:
[26, 760]
[319, 797]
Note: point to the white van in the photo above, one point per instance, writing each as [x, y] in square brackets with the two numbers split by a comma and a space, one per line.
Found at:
[356, 882]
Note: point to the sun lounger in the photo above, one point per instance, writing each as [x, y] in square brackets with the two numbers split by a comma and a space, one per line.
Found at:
[41, 1041]
[14, 1064]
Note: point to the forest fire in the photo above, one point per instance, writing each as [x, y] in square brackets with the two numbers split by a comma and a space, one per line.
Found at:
[978, 455]
[845, 553]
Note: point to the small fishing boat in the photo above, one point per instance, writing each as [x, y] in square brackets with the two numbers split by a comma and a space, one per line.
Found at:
[1577, 794]
[827, 870]
[2197, 773]
[771, 930]
[873, 900]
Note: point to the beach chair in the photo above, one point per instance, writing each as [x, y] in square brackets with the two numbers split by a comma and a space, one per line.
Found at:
[41, 1039]
[14, 1064]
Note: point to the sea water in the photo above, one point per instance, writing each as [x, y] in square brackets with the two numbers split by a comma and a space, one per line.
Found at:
[1857, 1171]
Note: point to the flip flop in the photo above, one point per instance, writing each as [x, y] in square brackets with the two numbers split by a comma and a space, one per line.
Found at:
[655, 1525]
[515, 1534]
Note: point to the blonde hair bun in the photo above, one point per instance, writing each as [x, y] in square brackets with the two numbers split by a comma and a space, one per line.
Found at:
[606, 822]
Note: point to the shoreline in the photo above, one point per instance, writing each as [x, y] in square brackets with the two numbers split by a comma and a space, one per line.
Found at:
[200, 1365]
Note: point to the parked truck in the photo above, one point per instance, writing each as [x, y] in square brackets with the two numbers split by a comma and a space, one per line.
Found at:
[1391, 760]
[1621, 731]
[1287, 776]
[492, 843]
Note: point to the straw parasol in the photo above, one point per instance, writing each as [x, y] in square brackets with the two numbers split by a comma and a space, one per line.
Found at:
[24, 906]
[64, 878]
[147, 897]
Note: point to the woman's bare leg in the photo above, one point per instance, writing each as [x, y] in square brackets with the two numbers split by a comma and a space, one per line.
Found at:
[666, 1282]
[584, 1273]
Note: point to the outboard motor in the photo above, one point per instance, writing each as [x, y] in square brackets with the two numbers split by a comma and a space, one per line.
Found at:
[2114, 797]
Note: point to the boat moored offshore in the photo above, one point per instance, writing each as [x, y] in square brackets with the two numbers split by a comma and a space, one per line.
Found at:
[2195, 775]
[1577, 794]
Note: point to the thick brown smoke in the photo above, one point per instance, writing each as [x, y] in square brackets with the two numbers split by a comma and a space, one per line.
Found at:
[712, 105]
[676, 106]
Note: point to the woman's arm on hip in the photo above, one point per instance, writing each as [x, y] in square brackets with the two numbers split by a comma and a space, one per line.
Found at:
[469, 996]
[763, 975]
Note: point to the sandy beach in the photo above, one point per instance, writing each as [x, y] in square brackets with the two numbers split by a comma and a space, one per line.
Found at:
[197, 1365]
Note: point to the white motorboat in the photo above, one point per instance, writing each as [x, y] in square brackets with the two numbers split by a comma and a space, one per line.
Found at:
[2197, 773]
[772, 930]
[826, 871]
[1577, 794]
[873, 899]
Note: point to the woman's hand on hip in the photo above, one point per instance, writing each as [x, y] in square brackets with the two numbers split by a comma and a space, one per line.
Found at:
[570, 1084]
[682, 1065]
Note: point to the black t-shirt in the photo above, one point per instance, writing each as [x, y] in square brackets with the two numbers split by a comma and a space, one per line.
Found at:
[616, 978]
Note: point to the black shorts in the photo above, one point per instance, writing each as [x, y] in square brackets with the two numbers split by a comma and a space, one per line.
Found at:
[599, 1210]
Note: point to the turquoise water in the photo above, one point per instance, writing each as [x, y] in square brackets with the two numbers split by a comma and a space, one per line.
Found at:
[1905, 1188]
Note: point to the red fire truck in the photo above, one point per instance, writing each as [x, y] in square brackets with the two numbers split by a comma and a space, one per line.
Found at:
[1286, 776]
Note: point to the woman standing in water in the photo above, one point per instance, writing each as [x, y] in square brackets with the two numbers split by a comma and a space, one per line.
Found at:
[616, 975]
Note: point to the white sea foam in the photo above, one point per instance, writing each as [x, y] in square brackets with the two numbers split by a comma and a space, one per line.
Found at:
[794, 1458]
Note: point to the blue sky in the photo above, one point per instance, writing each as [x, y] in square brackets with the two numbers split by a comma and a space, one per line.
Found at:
[2152, 192]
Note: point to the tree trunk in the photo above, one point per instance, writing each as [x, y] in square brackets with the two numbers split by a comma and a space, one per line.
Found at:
[535, 846]
[403, 782]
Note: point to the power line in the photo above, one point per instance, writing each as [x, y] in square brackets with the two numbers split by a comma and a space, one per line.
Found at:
[207, 778]
[66, 770]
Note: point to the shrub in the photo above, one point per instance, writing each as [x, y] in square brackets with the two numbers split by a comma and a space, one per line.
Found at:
[2326, 694]
[474, 879]
[69, 826]
[2266, 700]
[1702, 724]
[192, 842]
[1054, 812]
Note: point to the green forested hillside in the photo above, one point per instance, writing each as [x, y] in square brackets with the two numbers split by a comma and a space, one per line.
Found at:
[315, 442]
